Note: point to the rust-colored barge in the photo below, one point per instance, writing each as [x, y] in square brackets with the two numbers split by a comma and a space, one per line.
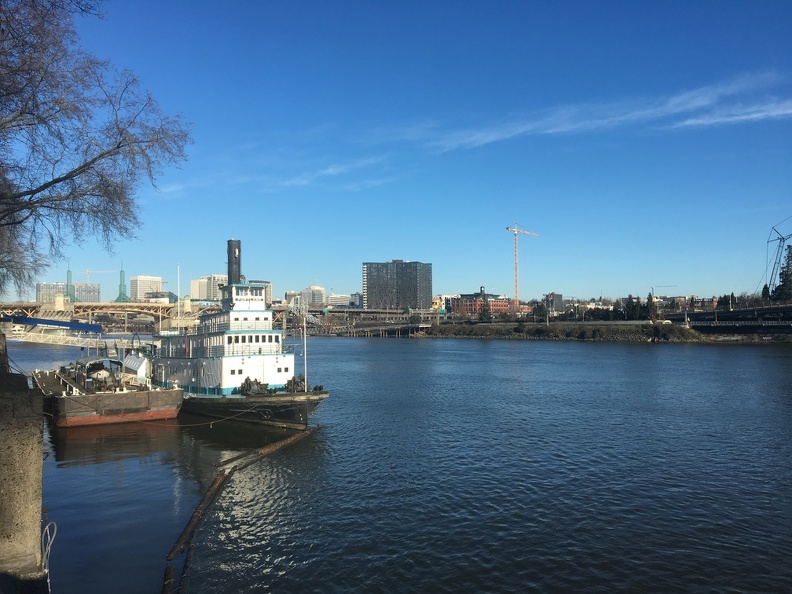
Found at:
[100, 391]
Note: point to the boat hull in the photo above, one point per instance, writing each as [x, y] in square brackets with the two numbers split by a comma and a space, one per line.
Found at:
[114, 407]
[70, 408]
[286, 410]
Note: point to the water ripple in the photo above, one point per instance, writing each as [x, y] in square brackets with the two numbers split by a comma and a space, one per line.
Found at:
[498, 467]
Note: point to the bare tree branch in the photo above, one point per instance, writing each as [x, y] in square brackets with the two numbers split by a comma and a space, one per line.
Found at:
[77, 138]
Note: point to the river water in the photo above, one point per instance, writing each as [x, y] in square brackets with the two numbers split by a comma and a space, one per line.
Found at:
[455, 465]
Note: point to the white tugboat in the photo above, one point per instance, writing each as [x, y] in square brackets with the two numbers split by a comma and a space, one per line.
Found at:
[234, 364]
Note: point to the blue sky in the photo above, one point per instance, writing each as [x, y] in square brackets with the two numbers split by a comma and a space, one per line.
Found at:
[647, 143]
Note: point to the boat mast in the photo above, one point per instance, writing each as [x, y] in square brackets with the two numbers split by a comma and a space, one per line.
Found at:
[178, 298]
[305, 353]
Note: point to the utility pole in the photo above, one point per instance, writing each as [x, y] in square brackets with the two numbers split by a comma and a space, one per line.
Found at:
[516, 231]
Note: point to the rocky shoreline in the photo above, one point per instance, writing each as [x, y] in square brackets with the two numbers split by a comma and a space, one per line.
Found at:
[667, 333]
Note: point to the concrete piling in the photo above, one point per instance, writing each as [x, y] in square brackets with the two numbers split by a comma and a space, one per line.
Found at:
[21, 455]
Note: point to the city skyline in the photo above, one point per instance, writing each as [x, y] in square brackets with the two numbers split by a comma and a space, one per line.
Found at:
[191, 286]
[646, 144]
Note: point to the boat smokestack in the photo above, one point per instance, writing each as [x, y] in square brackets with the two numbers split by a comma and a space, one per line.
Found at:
[234, 261]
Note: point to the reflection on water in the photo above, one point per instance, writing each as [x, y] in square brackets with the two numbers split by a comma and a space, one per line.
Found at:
[100, 444]
[506, 466]
[229, 435]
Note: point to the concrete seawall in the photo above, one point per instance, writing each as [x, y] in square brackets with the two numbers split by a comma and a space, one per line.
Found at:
[21, 455]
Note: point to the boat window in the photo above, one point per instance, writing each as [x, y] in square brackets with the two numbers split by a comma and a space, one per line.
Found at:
[279, 370]
[269, 338]
[233, 372]
[286, 369]
[277, 338]
[236, 339]
[257, 337]
[230, 339]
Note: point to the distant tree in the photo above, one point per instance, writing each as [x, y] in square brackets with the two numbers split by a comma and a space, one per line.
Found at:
[628, 307]
[766, 292]
[540, 311]
[616, 310]
[485, 313]
[752, 300]
[651, 306]
[633, 310]
[783, 290]
[598, 313]
[76, 138]
[723, 303]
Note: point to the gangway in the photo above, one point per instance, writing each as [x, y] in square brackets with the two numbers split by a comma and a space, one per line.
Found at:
[63, 333]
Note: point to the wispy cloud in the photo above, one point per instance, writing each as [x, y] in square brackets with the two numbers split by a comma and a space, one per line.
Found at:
[170, 188]
[735, 114]
[365, 184]
[334, 170]
[705, 106]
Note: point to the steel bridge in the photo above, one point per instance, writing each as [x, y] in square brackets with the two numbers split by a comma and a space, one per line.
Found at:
[87, 310]
[159, 311]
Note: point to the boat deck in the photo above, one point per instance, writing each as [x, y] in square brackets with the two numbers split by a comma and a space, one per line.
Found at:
[71, 406]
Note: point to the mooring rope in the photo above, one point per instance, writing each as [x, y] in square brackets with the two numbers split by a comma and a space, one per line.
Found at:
[48, 534]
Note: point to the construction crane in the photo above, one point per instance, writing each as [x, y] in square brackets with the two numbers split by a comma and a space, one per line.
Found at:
[517, 232]
[781, 239]
[88, 274]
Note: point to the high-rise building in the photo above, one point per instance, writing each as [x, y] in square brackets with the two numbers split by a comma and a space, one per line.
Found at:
[554, 302]
[207, 288]
[198, 288]
[213, 284]
[397, 285]
[313, 296]
[338, 300]
[45, 292]
[140, 285]
[82, 292]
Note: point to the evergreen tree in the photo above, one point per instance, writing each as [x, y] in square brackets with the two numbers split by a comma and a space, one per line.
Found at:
[651, 307]
[485, 314]
[540, 311]
[629, 308]
[783, 291]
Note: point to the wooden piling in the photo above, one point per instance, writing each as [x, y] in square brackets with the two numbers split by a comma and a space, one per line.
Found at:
[168, 580]
[274, 447]
[198, 514]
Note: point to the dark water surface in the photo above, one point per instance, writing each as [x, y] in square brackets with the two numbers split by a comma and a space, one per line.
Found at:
[461, 465]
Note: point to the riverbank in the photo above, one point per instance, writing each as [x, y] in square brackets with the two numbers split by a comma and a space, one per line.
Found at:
[592, 332]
